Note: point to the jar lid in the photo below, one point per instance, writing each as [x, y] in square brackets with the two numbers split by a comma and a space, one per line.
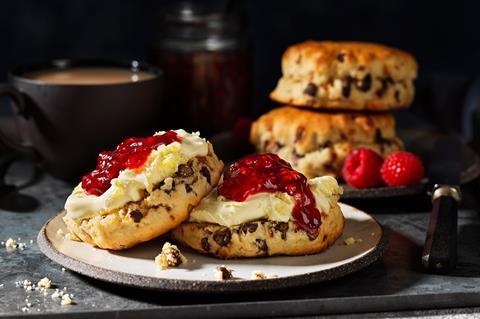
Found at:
[191, 26]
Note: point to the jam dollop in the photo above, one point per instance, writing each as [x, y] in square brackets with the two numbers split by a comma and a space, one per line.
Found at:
[267, 172]
[130, 154]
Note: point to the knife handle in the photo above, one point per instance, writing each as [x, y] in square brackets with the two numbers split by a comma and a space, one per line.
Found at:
[440, 249]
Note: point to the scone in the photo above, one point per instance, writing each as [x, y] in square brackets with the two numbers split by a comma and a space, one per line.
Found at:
[346, 75]
[263, 207]
[142, 189]
[317, 143]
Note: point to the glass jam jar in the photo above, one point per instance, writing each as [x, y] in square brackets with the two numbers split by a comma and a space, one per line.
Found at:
[206, 61]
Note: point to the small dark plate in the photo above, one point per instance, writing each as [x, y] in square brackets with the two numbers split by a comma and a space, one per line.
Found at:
[419, 142]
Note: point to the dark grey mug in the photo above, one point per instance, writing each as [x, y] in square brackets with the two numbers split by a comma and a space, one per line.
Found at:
[65, 126]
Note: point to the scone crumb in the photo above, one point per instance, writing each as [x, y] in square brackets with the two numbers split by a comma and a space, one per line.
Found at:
[170, 256]
[350, 241]
[223, 273]
[44, 283]
[66, 300]
[11, 243]
[258, 275]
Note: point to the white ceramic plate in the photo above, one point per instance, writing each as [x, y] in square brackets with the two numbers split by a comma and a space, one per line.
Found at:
[136, 266]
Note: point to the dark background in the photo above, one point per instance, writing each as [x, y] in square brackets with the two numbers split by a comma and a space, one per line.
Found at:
[443, 36]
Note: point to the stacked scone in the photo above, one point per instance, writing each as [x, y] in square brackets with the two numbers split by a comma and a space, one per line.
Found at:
[337, 97]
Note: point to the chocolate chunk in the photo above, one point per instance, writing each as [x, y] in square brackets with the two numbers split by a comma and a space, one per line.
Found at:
[222, 237]
[262, 245]
[385, 83]
[223, 273]
[365, 84]
[346, 87]
[341, 57]
[299, 134]
[136, 215]
[168, 191]
[184, 170]
[311, 89]
[328, 144]
[397, 96]
[282, 228]
[205, 244]
[188, 188]
[205, 172]
[249, 227]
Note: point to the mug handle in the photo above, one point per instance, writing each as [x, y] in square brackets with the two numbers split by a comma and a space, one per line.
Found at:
[19, 101]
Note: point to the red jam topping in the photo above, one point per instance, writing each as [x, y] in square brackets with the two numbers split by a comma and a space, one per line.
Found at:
[269, 173]
[130, 154]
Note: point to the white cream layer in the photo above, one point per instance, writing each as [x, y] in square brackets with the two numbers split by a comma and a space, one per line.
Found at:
[131, 183]
[273, 206]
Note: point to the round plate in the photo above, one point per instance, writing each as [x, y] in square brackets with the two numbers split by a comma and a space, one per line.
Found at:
[418, 141]
[136, 266]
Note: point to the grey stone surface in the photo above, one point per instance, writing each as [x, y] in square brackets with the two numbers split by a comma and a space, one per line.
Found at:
[397, 283]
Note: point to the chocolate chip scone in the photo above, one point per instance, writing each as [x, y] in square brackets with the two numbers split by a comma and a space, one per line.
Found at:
[346, 75]
[316, 143]
[269, 222]
[145, 201]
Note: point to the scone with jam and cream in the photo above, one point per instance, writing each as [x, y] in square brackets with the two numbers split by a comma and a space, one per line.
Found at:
[142, 189]
[263, 207]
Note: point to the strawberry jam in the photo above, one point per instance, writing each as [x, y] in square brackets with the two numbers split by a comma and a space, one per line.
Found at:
[130, 154]
[269, 173]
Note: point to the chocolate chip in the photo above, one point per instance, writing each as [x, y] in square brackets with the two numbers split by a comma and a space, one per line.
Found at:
[225, 273]
[346, 87]
[311, 89]
[341, 57]
[205, 172]
[385, 83]
[397, 95]
[168, 191]
[299, 134]
[262, 245]
[361, 68]
[365, 84]
[282, 228]
[184, 170]
[249, 227]
[136, 215]
[222, 237]
[188, 188]
[328, 144]
[205, 244]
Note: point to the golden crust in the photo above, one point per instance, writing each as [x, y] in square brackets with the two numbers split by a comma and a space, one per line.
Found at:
[161, 210]
[260, 238]
[317, 143]
[346, 75]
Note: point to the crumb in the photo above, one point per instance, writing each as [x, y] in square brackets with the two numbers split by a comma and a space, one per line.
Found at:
[350, 241]
[66, 300]
[57, 294]
[25, 309]
[44, 283]
[169, 257]
[258, 275]
[11, 243]
[31, 241]
[63, 269]
[223, 273]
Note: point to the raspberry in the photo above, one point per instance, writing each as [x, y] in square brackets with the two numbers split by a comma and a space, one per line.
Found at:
[402, 169]
[362, 168]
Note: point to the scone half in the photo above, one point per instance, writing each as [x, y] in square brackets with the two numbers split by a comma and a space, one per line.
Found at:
[346, 75]
[262, 225]
[317, 143]
[148, 202]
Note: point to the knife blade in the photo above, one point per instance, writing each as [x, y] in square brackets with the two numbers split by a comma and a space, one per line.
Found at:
[440, 248]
